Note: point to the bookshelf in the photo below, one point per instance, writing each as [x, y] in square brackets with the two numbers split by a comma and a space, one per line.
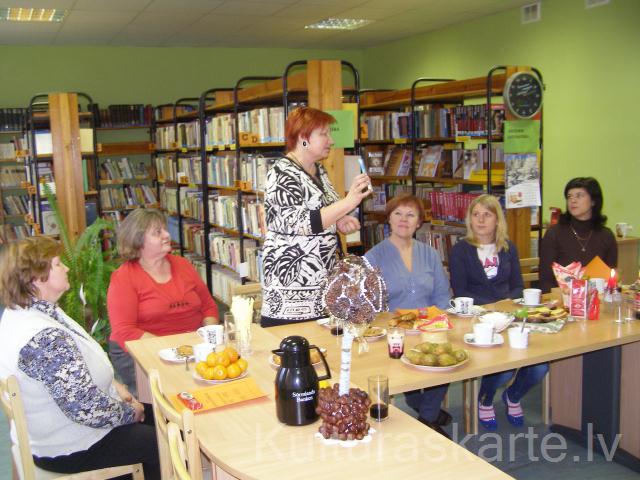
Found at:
[126, 176]
[439, 139]
[15, 221]
[59, 136]
[213, 186]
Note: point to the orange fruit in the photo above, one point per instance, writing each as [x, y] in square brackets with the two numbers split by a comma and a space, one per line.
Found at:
[234, 370]
[233, 354]
[243, 364]
[209, 373]
[201, 367]
[223, 359]
[212, 359]
[219, 372]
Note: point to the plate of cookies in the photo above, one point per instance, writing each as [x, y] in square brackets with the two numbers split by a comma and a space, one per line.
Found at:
[177, 354]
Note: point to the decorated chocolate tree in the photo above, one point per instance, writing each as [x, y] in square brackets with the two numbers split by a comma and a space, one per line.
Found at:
[355, 292]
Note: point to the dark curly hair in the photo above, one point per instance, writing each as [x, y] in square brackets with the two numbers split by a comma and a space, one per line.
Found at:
[592, 187]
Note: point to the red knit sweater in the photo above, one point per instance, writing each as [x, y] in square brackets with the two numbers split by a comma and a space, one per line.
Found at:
[138, 304]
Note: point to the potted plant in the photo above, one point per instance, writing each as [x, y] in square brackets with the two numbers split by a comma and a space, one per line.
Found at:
[90, 267]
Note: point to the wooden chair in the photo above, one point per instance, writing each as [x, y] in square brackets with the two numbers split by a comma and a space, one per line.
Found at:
[530, 270]
[164, 414]
[177, 452]
[11, 401]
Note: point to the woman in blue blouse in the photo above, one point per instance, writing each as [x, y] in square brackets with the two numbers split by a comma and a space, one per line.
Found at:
[415, 278]
[79, 418]
[485, 266]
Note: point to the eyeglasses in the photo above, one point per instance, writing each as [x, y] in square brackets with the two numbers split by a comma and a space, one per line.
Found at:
[577, 196]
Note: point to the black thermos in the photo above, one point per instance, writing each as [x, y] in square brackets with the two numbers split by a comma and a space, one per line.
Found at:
[297, 382]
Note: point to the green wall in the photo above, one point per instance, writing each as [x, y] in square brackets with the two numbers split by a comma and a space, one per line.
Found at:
[140, 75]
[591, 65]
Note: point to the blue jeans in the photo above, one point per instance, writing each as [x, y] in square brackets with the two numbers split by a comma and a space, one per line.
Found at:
[526, 378]
[427, 402]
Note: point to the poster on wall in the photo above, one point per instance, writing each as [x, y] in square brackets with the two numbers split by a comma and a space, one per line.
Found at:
[522, 180]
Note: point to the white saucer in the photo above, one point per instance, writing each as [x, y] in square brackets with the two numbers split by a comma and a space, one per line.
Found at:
[475, 310]
[520, 301]
[497, 340]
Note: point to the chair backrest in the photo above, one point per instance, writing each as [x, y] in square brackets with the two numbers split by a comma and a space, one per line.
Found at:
[530, 269]
[164, 414]
[177, 452]
[11, 401]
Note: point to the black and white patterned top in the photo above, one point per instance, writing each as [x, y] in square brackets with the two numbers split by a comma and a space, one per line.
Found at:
[53, 358]
[297, 251]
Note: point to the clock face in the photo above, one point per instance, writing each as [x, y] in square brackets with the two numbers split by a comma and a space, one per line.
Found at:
[523, 94]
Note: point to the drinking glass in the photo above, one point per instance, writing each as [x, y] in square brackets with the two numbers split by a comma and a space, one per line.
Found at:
[379, 396]
[229, 330]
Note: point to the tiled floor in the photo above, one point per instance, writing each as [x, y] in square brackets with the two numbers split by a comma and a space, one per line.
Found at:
[573, 462]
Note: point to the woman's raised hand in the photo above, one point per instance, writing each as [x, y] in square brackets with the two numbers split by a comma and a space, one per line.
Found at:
[359, 189]
[348, 225]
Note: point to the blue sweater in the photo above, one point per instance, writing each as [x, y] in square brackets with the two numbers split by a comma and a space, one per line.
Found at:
[468, 278]
[424, 286]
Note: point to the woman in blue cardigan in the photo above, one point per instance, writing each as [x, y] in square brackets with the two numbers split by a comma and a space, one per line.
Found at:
[485, 266]
[415, 278]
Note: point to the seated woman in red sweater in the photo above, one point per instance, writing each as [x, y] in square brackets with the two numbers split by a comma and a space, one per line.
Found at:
[153, 293]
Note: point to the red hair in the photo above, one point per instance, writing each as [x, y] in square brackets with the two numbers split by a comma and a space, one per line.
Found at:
[302, 121]
[405, 200]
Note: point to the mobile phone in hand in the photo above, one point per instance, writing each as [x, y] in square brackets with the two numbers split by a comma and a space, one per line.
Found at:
[363, 169]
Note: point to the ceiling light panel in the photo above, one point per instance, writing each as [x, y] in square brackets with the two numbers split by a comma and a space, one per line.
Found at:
[18, 14]
[339, 24]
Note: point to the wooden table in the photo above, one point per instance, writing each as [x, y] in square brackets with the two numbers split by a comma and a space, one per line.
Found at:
[247, 441]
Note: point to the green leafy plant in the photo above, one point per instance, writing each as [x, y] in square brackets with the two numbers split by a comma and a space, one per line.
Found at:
[90, 268]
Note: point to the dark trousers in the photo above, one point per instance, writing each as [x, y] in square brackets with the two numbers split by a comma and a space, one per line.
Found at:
[134, 443]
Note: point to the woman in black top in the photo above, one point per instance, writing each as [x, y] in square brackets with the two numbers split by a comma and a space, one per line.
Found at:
[580, 234]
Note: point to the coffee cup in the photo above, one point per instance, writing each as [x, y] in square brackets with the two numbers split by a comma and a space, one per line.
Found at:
[483, 333]
[462, 305]
[201, 350]
[622, 229]
[531, 296]
[213, 334]
[518, 337]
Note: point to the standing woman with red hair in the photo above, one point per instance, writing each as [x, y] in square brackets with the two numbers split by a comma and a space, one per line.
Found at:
[303, 214]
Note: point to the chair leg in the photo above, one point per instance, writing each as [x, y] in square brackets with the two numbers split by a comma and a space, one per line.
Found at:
[470, 388]
[546, 392]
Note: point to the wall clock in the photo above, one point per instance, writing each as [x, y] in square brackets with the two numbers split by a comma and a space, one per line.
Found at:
[523, 94]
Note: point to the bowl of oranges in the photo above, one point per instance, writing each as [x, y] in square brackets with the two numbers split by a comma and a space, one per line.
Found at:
[221, 367]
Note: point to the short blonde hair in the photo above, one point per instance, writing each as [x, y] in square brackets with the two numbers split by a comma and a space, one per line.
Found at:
[131, 231]
[21, 263]
[490, 203]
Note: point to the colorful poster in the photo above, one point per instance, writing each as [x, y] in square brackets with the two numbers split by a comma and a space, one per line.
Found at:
[522, 180]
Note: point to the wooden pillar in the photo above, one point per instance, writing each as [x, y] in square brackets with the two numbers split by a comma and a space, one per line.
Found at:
[67, 160]
[324, 86]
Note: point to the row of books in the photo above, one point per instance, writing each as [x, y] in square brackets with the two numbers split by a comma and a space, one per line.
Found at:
[12, 176]
[127, 196]
[166, 168]
[374, 232]
[15, 204]
[188, 134]
[441, 238]
[220, 130]
[377, 201]
[431, 121]
[122, 168]
[253, 216]
[253, 169]
[168, 199]
[12, 119]
[10, 232]
[391, 160]
[165, 137]
[165, 112]
[470, 120]
[266, 124]
[437, 161]
[122, 115]
[450, 206]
